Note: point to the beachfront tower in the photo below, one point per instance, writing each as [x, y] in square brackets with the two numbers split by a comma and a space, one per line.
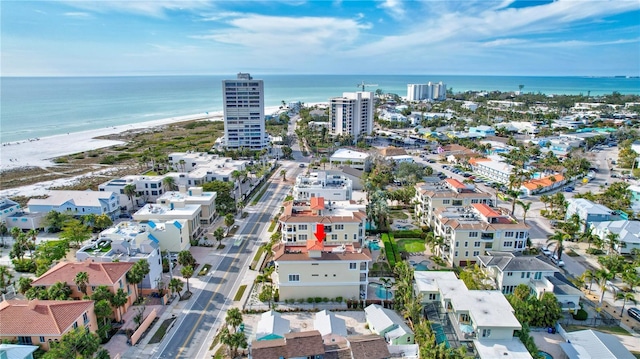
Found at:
[429, 91]
[244, 125]
[352, 114]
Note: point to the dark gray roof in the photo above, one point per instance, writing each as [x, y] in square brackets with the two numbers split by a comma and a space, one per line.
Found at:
[508, 262]
[352, 171]
[562, 285]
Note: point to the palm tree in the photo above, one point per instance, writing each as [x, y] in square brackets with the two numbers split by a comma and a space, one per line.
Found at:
[82, 280]
[5, 277]
[176, 286]
[118, 300]
[229, 220]
[558, 239]
[182, 164]
[612, 241]
[233, 318]
[130, 191]
[283, 173]
[626, 297]
[603, 276]
[526, 206]
[187, 272]
[4, 230]
[169, 182]
[590, 276]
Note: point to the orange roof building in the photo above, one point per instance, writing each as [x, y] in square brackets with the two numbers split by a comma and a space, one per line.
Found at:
[544, 184]
[40, 322]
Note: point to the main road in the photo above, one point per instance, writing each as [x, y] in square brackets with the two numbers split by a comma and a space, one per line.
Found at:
[194, 330]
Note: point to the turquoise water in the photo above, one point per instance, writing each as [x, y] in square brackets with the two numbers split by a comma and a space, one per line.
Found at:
[441, 337]
[422, 266]
[43, 106]
[381, 292]
[545, 355]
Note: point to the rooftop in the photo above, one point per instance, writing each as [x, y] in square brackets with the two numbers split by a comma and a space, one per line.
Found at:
[40, 317]
[343, 252]
[154, 209]
[78, 198]
[543, 182]
[480, 217]
[348, 154]
[589, 206]
[592, 344]
[320, 211]
[100, 273]
[503, 348]
[508, 262]
[627, 231]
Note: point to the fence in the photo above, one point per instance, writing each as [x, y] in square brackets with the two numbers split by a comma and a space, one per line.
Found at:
[143, 327]
[591, 322]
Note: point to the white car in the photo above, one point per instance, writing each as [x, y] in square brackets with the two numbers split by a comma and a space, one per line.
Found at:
[545, 250]
[559, 263]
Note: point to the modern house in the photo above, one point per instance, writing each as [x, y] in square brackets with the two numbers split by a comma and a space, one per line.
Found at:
[588, 211]
[543, 184]
[243, 107]
[148, 189]
[179, 213]
[272, 326]
[352, 114]
[352, 158]
[127, 242]
[42, 322]
[17, 351]
[628, 234]
[78, 203]
[469, 231]
[330, 327]
[198, 168]
[25, 220]
[483, 130]
[592, 344]
[332, 187]
[450, 192]
[112, 275]
[389, 325]
[8, 208]
[192, 196]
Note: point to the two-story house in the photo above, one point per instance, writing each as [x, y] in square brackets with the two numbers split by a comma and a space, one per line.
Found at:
[588, 211]
[332, 187]
[626, 232]
[78, 203]
[43, 322]
[178, 212]
[469, 231]
[320, 253]
[148, 189]
[193, 195]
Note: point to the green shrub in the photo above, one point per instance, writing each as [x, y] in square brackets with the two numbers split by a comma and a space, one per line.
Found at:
[581, 315]
[595, 251]
[310, 300]
[391, 258]
[413, 233]
[24, 265]
[61, 160]
[108, 160]
[317, 300]
[339, 299]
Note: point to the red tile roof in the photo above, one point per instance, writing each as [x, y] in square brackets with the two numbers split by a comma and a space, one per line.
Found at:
[455, 183]
[543, 182]
[313, 245]
[100, 273]
[40, 317]
[485, 210]
[317, 202]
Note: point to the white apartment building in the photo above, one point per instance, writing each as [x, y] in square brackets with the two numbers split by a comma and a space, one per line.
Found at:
[352, 158]
[243, 104]
[148, 189]
[77, 203]
[332, 187]
[471, 231]
[352, 114]
[127, 242]
[196, 196]
[492, 168]
[174, 212]
[190, 161]
[8, 208]
[447, 193]
[320, 254]
[428, 91]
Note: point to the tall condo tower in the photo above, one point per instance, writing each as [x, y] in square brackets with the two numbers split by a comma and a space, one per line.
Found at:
[352, 114]
[244, 125]
[429, 91]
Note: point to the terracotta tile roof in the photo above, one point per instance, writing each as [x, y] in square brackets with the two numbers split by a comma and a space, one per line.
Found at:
[300, 253]
[100, 273]
[40, 317]
[313, 245]
[304, 344]
[543, 182]
[317, 202]
[485, 210]
[455, 183]
[392, 151]
[474, 161]
[369, 346]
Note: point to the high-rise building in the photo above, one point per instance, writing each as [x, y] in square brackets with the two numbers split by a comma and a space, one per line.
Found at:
[429, 91]
[244, 125]
[352, 114]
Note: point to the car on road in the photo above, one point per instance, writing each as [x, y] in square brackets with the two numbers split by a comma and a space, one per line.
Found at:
[431, 161]
[634, 313]
[558, 262]
[568, 189]
[545, 250]
[301, 165]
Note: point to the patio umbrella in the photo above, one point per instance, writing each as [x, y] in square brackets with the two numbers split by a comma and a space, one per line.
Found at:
[466, 328]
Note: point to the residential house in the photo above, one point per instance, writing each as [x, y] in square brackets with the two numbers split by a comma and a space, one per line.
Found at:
[352, 158]
[332, 187]
[112, 275]
[389, 325]
[592, 344]
[472, 230]
[330, 326]
[320, 253]
[492, 168]
[148, 189]
[272, 326]
[42, 322]
[628, 234]
[501, 348]
[16, 351]
[543, 184]
[127, 242]
[471, 106]
[368, 346]
[483, 130]
[78, 203]
[193, 196]
[450, 192]
[352, 174]
[293, 346]
[8, 208]
[26, 220]
[178, 212]
[588, 211]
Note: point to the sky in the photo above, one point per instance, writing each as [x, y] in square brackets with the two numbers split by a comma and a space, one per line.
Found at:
[184, 37]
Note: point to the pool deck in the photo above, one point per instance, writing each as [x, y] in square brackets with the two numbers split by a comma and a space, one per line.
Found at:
[549, 343]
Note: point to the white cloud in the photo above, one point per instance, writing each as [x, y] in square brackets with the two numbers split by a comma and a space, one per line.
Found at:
[78, 14]
[141, 7]
[394, 8]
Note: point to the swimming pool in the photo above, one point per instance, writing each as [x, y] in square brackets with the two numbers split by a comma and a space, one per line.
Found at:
[441, 337]
[545, 355]
[422, 266]
[381, 292]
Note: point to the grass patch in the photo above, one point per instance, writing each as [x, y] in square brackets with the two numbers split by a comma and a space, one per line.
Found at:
[150, 173]
[606, 329]
[398, 215]
[204, 270]
[256, 258]
[240, 292]
[411, 245]
[263, 189]
[159, 334]
[272, 226]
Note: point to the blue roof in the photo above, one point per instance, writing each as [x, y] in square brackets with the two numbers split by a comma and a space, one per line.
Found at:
[153, 238]
[177, 224]
[152, 224]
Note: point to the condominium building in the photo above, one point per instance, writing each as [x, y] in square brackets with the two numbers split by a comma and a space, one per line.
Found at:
[77, 203]
[320, 254]
[148, 189]
[492, 168]
[243, 104]
[352, 114]
[333, 187]
[179, 213]
[447, 193]
[428, 91]
[193, 195]
[469, 231]
[351, 158]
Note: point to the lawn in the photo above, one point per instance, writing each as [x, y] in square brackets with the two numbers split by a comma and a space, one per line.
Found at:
[398, 215]
[411, 245]
[605, 329]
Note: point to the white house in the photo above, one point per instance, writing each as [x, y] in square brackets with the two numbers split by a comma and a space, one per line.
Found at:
[330, 326]
[177, 213]
[8, 208]
[588, 211]
[592, 344]
[331, 186]
[272, 326]
[628, 234]
[193, 196]
[352, 158]
[78, 203]
[388, 324]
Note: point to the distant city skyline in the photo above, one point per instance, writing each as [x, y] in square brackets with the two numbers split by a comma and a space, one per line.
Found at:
[182, 37]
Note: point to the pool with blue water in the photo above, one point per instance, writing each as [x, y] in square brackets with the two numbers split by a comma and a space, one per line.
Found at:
[381, 291]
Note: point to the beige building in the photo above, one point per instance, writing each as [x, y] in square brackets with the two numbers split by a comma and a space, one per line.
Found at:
[320, 254]
[193, 195]
[177, 212]
[42, 322]
[470, 231]
[448, 193]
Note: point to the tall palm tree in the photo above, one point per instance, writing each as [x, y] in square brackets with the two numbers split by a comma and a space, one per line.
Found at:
[169, 182]
[626, 297]
[526, 206]
[176, 286]
[603, 276]
[82, 280]
[590, 276]
[233, 318]
[118, 300]
[131, 192]
[558, 239]
[612, 241]
[283, 173]
[386, 283]
[5, 277]
[187, 272]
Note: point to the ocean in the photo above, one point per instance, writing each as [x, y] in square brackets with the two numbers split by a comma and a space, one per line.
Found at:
[33, 107]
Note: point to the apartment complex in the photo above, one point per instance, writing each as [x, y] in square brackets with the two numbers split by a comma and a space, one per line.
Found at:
[447, 193]
[320, 254]
[185, 217]
[77, 203]
[428, 91]
[351, 158]
[196, 196]
[332, 187]
[148, 189]
[469, 231]
[243, 104]
[352, 114]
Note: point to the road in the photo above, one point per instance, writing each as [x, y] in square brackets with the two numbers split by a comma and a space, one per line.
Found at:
[194, 330]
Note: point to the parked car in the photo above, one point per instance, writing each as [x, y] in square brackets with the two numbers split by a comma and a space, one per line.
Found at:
[634, 313]
[568, 189]
[558, 262]
[545, 250]
[431, 161]
[301, 165]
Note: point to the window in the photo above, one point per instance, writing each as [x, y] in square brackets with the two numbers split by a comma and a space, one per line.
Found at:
[509, 274]
[508, 244]
[473, 234]
[85, 317]
[466, 253]
[302, 237]
[352, 265]
[41, 339]
[339, 226]
[538, 275]
[466, 244]
[474, 201]
[476, 244]
[508, 234]
[24, 340]
[522, 275]
[476, 253]
[528, 274]
[486, 333]
[432, 296]
[294, 277]
[446, 201]
[346, 236]
[302, 227]
[75, 325]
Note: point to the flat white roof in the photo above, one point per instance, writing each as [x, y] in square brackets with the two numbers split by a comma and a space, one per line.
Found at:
[158, 210]
[347, 154]
[79, 198]
[487, 308]
[503, 348]
[427, 281]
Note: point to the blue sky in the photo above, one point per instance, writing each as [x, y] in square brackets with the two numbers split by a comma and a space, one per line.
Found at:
[464, 37]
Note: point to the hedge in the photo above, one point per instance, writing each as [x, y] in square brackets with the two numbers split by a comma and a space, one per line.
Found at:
[413, 233]
[391, 258]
